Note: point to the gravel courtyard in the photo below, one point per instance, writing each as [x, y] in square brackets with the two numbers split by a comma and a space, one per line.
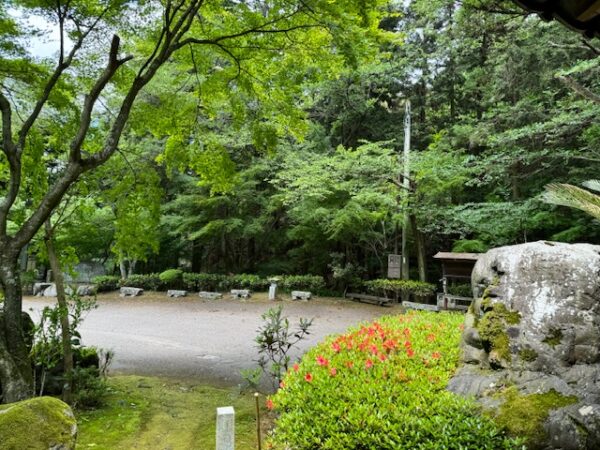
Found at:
[194, 338]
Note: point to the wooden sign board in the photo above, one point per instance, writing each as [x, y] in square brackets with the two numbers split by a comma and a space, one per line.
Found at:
[394, 265]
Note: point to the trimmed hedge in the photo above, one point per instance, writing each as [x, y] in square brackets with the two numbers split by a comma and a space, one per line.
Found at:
[382, 386]
[106, 283]
[395, 288]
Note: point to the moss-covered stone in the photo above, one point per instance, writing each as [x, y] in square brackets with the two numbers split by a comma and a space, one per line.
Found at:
[524, 415]
[528, 354]
[492, 329]
[37, 423]
[553, 338]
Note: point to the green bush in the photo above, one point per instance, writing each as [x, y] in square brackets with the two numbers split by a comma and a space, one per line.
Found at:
[219, 282]
[248, 281]
[148, 282]
[382, 386]
[469, 246]
[312, 283]
[203, 281]
[394, 288]
[106, 283]
[171, 278]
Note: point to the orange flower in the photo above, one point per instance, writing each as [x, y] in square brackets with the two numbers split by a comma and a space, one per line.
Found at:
[270, 404]
[368, 364]
[410, 352]
[431, 337]
[322, 361]
[333, 372]
[436, 355]
[382, 357]
[296, 367]
[349, 364]
[336, 347]
[308, 377]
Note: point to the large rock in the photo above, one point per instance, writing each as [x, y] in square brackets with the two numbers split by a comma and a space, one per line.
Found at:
[37, 423]
[535, 325]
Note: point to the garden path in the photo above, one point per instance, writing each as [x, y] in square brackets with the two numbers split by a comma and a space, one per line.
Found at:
[194, 338]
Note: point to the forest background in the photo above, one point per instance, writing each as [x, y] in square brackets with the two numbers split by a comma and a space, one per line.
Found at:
[502, 104]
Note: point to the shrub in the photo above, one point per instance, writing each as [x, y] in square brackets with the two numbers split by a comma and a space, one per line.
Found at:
[382, 386]
[106, 283]
[202, 281]
[394, 288]
[469, 246]
[247, 281]
[275, 341]
[313, 283]
[149, 282]
[171, 278]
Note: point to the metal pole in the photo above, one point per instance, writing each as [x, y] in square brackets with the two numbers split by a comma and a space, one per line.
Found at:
[406, 184]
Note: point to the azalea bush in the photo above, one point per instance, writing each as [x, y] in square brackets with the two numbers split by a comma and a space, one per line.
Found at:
[382, 386]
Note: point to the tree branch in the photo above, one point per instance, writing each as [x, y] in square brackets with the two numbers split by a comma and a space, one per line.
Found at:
[58, 71]
[90, 99]
[580, 89]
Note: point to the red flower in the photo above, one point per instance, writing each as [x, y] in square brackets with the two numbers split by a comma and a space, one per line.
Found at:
[407, 344]
[270, 404]
[374, 349]
[336, 347]
[322, 361]
[389, 344]
[382, 357]
[296, 367]
[369, 364]
[333, 372]
[436, 355]
[281, 384]
[410, 352]
[308, 377]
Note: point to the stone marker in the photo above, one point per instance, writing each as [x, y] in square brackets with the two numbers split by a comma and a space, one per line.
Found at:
[39, 288]
[175, 293]
[131, 292]
[86, 290]
[301, 295]
[210, 295]
[273, 291]
[240, 293]
[225, 428]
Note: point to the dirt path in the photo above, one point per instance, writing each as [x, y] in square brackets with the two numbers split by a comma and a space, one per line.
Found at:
[194, 338]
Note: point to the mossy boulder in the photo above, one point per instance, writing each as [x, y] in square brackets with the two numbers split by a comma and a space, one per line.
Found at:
[39, 423]
[534, 326]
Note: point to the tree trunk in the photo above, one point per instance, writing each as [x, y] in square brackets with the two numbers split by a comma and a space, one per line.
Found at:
[16, 374]
[65, 329]
[420, 244]
[123, 269]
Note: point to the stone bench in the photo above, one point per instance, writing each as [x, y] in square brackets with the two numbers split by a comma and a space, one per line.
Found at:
[240, 293]
[210, 295]
[130, 292]
[301, 295]
[176, 293]
[39, 288]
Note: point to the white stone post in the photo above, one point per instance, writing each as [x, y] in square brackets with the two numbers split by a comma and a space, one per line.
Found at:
[225, 428]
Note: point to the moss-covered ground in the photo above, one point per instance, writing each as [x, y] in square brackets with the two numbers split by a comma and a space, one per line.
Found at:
[155, 413]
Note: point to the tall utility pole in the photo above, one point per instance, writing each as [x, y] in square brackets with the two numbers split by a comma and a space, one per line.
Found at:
[406, 184]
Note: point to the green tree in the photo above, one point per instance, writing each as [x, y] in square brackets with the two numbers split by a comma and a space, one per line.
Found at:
[53, 121]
